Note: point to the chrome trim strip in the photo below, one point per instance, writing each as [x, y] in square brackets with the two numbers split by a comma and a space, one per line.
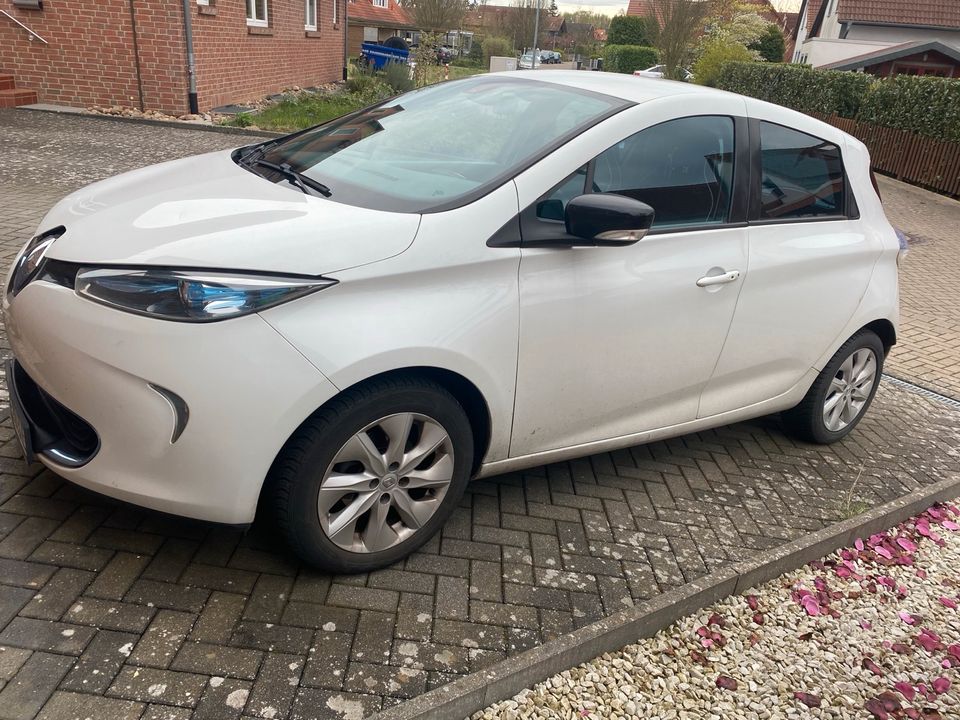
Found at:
[181, 411]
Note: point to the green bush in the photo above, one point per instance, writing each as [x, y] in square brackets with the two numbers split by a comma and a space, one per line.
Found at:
[361, 80]
[397, 76]
[476, 52]
[798, 86]
[627, 58]
[716, 54]
[771, 45]
[632, 30]
[497, 47]
[924, 105]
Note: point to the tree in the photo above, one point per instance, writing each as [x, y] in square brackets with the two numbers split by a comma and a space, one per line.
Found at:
[771, 45]
[554, 10]
[440, 15]
[713, 56]
[632, 30]
[681, 22]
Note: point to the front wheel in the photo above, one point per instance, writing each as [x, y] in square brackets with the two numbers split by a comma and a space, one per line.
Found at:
[842, 392]
[373, 475]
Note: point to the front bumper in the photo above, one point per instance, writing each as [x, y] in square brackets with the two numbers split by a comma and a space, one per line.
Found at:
[245, 388]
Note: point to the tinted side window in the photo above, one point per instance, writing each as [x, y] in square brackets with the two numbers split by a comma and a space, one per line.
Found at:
[802, 175]
[682, 168]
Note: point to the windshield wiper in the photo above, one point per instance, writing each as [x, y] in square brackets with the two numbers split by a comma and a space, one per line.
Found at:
[300, 180]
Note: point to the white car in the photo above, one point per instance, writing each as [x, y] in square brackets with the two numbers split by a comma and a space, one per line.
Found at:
[342, 327]
[528, 61]
[658, 71]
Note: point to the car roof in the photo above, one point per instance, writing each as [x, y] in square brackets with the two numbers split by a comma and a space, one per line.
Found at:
[638, 89]
[627, 87]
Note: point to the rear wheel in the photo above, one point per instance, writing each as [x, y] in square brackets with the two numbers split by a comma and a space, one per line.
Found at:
[842, 392]
[373, 475]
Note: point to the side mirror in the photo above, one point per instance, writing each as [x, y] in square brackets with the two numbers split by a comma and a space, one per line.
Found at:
[608, 219]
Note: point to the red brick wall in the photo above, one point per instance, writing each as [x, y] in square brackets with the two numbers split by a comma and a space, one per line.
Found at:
[90, 58]
[236, 63]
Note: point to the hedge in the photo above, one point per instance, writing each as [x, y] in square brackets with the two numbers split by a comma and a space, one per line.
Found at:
[627, 58]
[798, 86]
[924, 105]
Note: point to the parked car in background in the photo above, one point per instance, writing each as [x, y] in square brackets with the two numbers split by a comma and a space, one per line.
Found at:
[339, 328]
[528, 61]
[657, 71]
[445, 54]
[550, 57]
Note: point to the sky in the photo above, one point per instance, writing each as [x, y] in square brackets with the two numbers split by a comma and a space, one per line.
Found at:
[612, 7]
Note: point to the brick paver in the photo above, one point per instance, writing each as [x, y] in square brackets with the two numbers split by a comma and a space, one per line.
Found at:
[107, 610]
[929, 349]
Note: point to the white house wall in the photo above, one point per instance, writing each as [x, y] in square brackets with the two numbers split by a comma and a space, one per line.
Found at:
[897, 35]
[820, 51]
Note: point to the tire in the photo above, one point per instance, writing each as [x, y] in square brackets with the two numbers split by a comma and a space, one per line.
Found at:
[398, 506]
[809, 421]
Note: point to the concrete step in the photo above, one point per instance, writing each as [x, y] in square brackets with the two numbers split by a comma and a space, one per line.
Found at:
[13, 98]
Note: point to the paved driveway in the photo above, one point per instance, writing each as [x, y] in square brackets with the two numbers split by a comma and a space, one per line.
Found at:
[107, 610]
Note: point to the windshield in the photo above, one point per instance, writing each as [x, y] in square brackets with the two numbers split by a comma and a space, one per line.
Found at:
[441, 146]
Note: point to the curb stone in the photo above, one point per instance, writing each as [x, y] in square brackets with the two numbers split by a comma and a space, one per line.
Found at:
[176, 124]
[501, 681]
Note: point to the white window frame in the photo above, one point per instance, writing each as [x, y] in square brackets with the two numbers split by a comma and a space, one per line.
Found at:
[254, 21]
[381, 3]
[307, 5]
[336, 9]
[203, 2]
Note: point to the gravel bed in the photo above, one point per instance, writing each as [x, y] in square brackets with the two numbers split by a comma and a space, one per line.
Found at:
[871, 631]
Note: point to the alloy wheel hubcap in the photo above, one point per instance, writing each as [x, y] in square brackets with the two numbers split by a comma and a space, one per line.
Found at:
[850, 390]
[385, 483]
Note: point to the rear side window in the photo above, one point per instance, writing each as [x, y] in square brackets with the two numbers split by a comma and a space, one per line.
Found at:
[802, 175]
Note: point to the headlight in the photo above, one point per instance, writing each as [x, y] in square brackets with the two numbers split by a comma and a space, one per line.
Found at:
[191, 296]
[28, 262]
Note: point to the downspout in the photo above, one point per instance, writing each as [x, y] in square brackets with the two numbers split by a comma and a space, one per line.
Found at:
[136, 55]
[191, 62]
[346, 33]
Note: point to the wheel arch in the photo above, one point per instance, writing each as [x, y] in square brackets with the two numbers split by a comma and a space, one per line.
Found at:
[464, 390]
[885, 330]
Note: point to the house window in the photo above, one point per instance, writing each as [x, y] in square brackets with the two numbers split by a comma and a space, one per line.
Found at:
[257, 13]
[380, 3]
[336, 4]
[310, 15]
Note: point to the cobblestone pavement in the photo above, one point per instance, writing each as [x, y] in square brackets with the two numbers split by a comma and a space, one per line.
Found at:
[929, 349]
[107, 610]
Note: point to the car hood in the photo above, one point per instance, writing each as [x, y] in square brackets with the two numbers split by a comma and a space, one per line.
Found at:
[208, 212]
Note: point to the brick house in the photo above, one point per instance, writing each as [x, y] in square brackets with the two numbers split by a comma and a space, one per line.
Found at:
[134, 52]
[375, 21]
[880, 36]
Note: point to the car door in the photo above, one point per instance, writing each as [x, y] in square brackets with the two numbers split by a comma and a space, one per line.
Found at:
[618, 341]
[810, 264]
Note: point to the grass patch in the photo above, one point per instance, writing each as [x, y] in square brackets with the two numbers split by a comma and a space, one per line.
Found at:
[302, 112]
[308, 110]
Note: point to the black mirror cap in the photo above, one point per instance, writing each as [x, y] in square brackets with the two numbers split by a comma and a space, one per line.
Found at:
[608, 219]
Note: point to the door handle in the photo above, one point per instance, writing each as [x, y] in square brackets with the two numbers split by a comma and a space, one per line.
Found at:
[727, 277]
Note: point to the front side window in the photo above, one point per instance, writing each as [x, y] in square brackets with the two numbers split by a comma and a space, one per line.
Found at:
[310, 15]
[682, 168]
[257, 13]
[442, 144]
[802, 175]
